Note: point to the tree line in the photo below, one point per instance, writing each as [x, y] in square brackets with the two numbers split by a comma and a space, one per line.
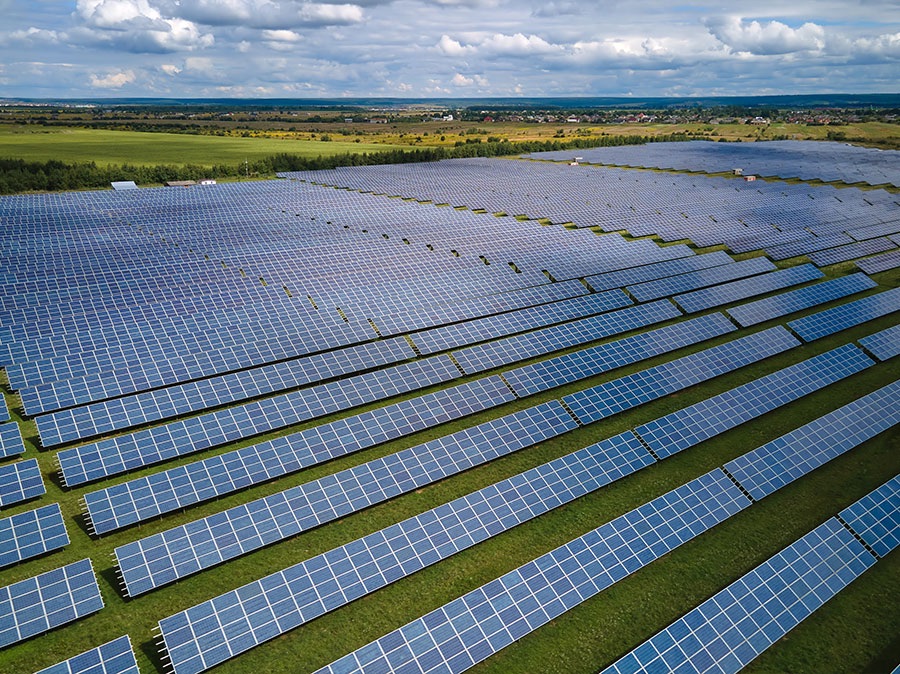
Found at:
[20, 175]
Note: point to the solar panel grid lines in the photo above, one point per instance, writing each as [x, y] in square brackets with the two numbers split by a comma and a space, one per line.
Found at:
[879, 263]
[599, 402]
[851, 251]
[143, 498]
[471, 628]
[672, 285]
[20, 481]
[501, 325]
[483, 357]
[32, 533]
[11, 443]
[113, 657]
[830, 321]
[875, 518]
[691, 425]
[650, 272]
[568, 368]
[160, 559]
[872, 231]
[806, 245]
[119, 454]
[884, 344]
[797, 300]
[376, 560]
[789, 457]
[707, 298]
[48, 600]
[731, 628]
[282, 409]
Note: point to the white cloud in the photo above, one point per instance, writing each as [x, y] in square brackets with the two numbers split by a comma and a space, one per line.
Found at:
[451, 47]
[136, 25]
[772, 37]
[518, 45]
[113, 80]
[266, 14]
[33, 34]
[170, 69]
[460, 80]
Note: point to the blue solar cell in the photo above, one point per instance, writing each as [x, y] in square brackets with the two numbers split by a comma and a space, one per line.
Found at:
[495, 615]
[731, 628]
[143, 498]
[626, 392]
[4, 410]
[674, 285]
[879, 263]
[851, 251]
[794, 454]
[797, 300]
[846, 315]
[311, 588]
[875, 518]
[885, 344]
[688, 426]
[735, 291]
[651, 272]
[20, 481]
[114, 657]
[32, 533]
[11, 442]
[178, 552]
[572, 367]
[51, 599]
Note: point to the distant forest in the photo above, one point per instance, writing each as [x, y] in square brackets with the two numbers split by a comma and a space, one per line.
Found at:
[19, 175]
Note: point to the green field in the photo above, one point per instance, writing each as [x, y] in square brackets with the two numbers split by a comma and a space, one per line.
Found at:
[69, 145]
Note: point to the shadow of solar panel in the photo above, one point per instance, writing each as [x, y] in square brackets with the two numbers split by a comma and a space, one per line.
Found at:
[20, 481]
[51, 599]
[178, 552]
[143, 498]
[731, 628]
[735, 291]
[114, 657]
[521, 347]
[847, 315]
[691, 425]
[32, 533]
[883, 345]
[875, 518]
[673, 285]
[636, 389]
[795, 454]
[486, 620]
[797, 300]
[11, 443]
[572, 367]
[651, 272]
[492, 327]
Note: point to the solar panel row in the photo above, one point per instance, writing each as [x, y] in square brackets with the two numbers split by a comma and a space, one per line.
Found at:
[114, 657]
[879, 263]
[20, 481]
[657, 270]
[673, 285]
[846, 315]
[875, 518]
[11, 443]
[885, 344]
[32, 533]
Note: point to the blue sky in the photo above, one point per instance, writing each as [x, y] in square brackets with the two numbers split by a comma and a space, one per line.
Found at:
[440, 48]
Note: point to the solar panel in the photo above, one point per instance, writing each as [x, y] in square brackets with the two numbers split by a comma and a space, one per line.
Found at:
[470, 629]
[691, 425]
[851, 251]
[114, 657]
[797, 300]
[165, 557]
[885, 344]
[51, 599]
[521, 347]
[673, 285]
[32, 533]
[879, 263]
[795, 454]
[601, 401]
[143, 498]
[846, 315]
[4, 410]
[572, 367]
[20, 481]
[313, 587]
[11, 442]
[875, 518]
[651, 272]
[731, 628]
[726, 293]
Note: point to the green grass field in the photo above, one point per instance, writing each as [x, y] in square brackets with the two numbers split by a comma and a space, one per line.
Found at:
[148, 149]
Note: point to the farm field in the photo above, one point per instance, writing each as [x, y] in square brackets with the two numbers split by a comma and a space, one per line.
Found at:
[327, 256]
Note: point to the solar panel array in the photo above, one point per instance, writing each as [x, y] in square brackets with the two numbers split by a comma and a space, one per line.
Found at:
[11, 442]
[32, 533]
[885, 344]
[846, 315]
[879, 263]
[20, 481]
[875, 518]
[48, 600]
[114, 657]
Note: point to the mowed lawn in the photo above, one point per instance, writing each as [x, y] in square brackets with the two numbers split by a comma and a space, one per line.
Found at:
[148, 149]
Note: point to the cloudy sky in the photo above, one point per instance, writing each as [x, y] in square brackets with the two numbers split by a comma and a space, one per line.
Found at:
[437, 48]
